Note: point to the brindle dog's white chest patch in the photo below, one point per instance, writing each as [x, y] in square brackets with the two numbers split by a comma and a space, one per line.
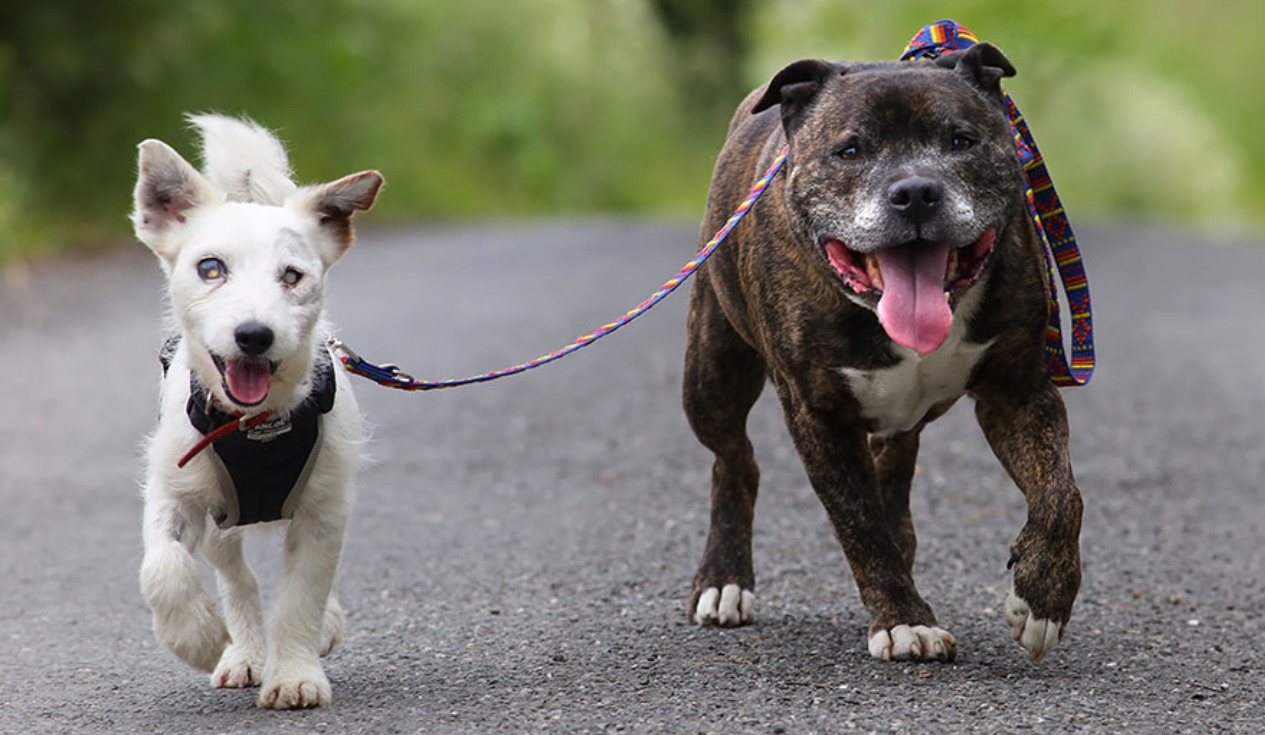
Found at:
[896, 398]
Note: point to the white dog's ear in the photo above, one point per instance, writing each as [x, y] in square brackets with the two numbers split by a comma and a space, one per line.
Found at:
[334, 204]
[167, 188]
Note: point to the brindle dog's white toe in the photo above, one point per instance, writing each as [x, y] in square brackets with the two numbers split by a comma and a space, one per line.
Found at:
[913, 643]
[1038, 636]
[728, 607]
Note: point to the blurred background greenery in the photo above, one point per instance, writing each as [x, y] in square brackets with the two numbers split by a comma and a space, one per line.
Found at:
[1146, 109]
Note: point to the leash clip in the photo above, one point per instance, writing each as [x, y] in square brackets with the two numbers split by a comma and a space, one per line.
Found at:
[338, 346]
[356, 364]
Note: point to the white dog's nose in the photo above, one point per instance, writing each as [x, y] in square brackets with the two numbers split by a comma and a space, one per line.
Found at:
[253, 338]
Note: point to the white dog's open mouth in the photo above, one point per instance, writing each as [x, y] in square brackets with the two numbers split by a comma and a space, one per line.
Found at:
[913, 282]
[246, 379]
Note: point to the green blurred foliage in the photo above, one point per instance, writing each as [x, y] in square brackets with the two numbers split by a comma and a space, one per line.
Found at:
[477, 108]
[480, 108]
[709, 45]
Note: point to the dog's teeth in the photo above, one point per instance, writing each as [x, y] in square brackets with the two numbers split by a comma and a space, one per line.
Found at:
[951, 268]
[872, 270]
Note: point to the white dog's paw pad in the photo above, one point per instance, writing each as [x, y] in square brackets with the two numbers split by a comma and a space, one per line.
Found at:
[727, 607]
[1038, 636]
[913, 643]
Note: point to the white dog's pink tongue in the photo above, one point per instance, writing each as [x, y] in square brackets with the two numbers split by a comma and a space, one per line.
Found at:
[913, 309]
[248, 380]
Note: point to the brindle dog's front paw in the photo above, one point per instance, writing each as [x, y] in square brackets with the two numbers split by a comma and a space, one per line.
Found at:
[1047, 576]
[913, 643]
[727, 607]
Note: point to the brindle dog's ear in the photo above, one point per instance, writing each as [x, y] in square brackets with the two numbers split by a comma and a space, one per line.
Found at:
[795, 87]
[983, 65]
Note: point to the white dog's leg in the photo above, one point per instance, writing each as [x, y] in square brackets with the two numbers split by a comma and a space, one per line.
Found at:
[243, 661]
[293, 677]
[185, 617]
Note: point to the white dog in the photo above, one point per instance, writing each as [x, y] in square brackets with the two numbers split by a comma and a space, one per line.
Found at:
[245, 252]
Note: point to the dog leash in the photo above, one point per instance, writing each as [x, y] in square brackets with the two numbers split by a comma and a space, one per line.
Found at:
[1062, 256]
[1043, 205]
[391, 376]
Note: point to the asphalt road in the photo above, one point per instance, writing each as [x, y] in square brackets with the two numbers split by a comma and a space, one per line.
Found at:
[521, 552]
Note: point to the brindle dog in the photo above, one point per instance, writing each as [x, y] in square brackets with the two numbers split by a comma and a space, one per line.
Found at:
[891, 268]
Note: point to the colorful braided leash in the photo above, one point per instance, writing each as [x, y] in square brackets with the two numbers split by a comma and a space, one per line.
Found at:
[392, 377]
[1063, 257]
[1043, 204]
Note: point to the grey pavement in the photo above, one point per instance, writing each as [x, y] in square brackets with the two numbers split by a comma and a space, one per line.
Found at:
[521, 552]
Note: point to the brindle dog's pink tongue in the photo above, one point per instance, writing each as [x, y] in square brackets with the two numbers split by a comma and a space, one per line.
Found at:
[247, 380]
[913, 309]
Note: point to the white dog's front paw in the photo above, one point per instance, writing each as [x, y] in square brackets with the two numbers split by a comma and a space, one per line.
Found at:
[1038, 636]
[728, 607]
[240, 667]
[913, 643]
[296, 687]
[196, 634]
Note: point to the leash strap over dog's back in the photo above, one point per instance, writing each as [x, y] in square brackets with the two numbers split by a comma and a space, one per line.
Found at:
[1062, 255]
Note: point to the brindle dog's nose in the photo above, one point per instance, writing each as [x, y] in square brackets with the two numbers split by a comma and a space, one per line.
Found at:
[253, 338]
[917, 198]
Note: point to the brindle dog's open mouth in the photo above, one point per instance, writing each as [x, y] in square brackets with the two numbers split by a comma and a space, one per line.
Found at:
[246, 380]
[914, 283]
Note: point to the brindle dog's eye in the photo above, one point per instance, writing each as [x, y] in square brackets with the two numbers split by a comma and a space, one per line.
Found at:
[849, 151]
[961, 142]
[211, 269]
[291, 277]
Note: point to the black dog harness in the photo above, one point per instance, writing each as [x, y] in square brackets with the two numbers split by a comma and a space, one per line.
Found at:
[266, 466]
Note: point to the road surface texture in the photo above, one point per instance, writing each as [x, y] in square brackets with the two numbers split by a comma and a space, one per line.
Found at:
[521, 552]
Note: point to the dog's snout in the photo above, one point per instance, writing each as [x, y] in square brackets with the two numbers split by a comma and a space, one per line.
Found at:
[253, 338]
[916, 197]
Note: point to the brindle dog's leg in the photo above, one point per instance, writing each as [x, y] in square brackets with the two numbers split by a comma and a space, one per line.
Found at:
[837, 455]
[1028, 433]
[895, 459]
[723, 378]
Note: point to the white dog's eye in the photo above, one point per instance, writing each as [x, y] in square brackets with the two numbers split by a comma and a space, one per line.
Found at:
[211, 269]
[291, 277]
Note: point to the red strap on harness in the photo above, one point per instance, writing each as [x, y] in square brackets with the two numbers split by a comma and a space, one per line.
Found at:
[245, 423]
